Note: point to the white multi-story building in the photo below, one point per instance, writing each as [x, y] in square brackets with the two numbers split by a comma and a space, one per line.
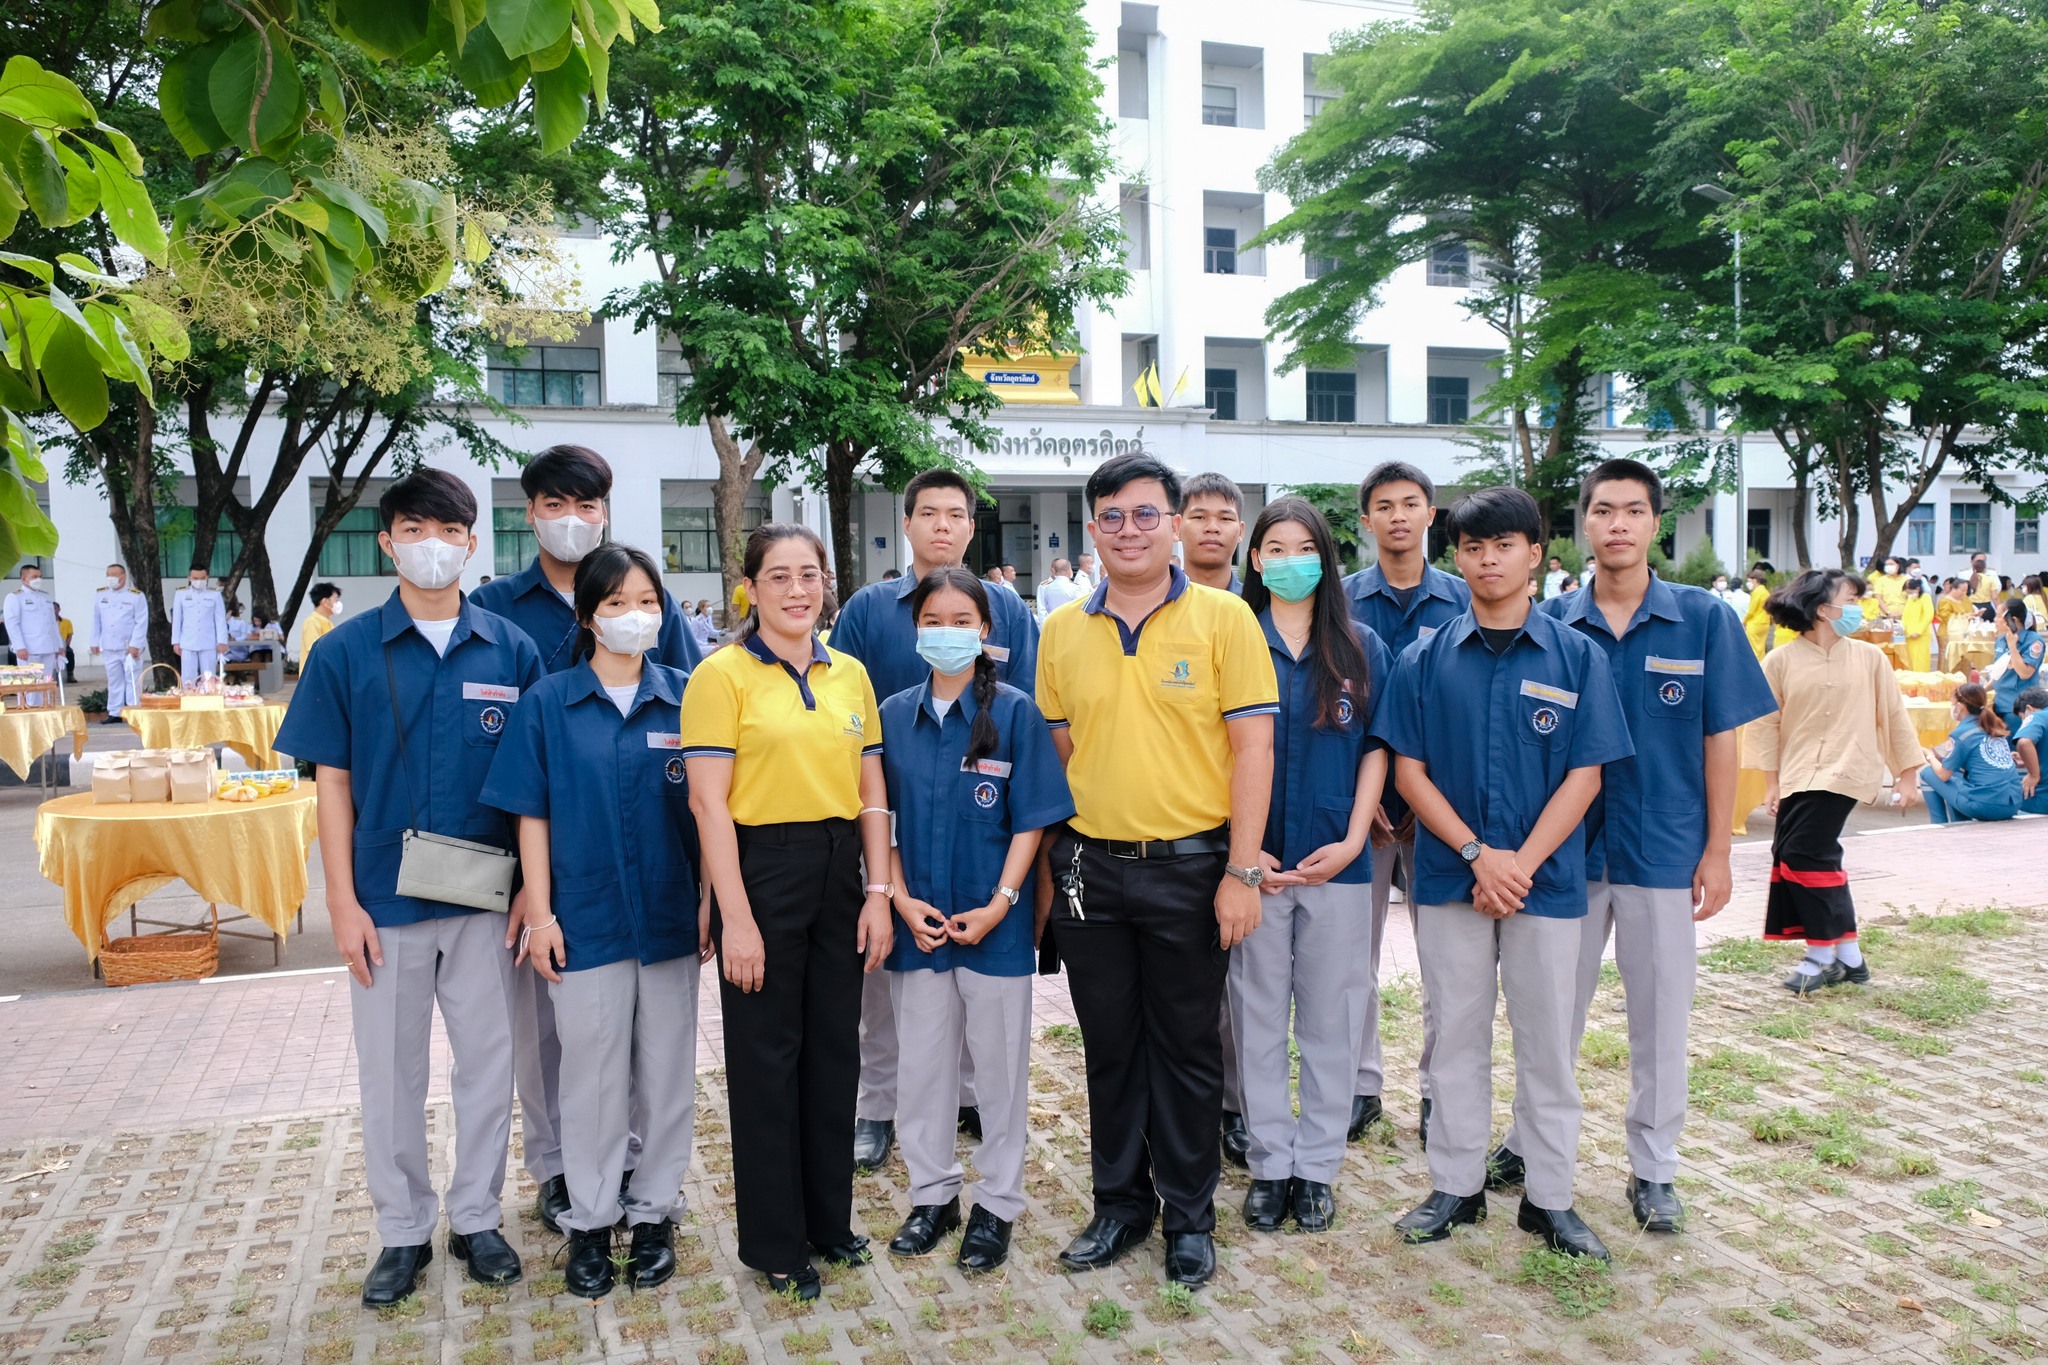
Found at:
[1202, 94]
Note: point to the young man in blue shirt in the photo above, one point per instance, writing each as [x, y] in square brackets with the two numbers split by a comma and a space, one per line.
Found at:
[1500, 723]
[1657, 837]
[1404, 599]
[448, 673]
[875, 626]
[566, 487]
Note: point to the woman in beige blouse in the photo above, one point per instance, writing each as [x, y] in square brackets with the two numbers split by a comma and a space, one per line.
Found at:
[1839, 731]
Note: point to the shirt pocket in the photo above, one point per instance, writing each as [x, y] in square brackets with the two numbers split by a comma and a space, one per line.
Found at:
[1671, 687]
[986, 799]
[484, 722]
[1546, 715]
[664, 765]
[1182, 674]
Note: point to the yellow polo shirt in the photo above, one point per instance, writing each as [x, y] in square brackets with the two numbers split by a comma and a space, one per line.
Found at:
[1147, 708]
[795, 739]
[316, 625]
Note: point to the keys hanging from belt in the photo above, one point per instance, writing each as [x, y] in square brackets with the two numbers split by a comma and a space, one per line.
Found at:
[1070, 882]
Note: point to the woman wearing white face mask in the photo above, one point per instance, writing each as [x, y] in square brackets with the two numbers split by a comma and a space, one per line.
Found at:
[592, 766]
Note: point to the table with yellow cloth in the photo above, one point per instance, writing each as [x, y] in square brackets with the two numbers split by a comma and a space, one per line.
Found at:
[250, 731]
[251, 855]
[1959, 655]
[26, 736]
[1931, 721]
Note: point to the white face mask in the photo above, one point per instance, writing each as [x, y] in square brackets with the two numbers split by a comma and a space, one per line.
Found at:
[337, 606]
[32, 584]
[430, 564]
[117, 583]
[568, 538]
[629, 633]
[198, 584]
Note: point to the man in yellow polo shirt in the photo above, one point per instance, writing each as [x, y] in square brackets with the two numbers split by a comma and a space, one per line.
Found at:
[1161, 695]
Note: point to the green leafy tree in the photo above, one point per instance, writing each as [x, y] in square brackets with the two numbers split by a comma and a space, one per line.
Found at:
[1338, 502]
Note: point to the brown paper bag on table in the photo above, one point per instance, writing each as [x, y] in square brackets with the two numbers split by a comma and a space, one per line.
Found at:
[191, 776]
[110, 779]
[149, 775]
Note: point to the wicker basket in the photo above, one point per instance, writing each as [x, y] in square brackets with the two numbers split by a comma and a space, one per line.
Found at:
[154, 701]
[145, 958]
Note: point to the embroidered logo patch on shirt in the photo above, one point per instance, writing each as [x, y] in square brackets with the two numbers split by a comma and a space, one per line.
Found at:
[985, 795]
[673, 769]
[1545, 692]
[504, 692]
[1344, 712]
[492, 719]
[854, 726]
[1671, 693]
[1543, 720]
[1180, 677]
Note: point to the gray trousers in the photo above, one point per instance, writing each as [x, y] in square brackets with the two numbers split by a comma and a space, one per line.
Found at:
[881, 1054]
[1657, 949]
[943, 1016]
[537, 1065]
[1371, 1071]
[1468, 961]
[629, 1054]
[121, 672]
[461, 963]
[1307, 958]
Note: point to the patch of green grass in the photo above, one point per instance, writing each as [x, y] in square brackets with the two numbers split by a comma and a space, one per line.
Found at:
[301, 1142]
[1106, 1318]
[1963, 924]
[1605, 1049]
[1448, 1295]
[1610, 974]
[1945, 998]
[1915, 1163]
[929, 1317]
[70, 1248]
[1742, 955]
[807, 1343]
[1778, 1126]
[1912, 1044]
[1177, 1301]
[1884, 1244]
[1061, 1033]
[1955, 1198]
[2030, 1076]
[1785, 1309]
[1788, 1025]
[1580, 1284]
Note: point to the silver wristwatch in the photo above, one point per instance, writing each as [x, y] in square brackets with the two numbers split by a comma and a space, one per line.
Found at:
[1009, 891]
[1250, 876]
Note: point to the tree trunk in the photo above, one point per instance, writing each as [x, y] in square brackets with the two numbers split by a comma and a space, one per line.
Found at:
[736, 471]
[841, 459]
[1890, 523]
[344, 491]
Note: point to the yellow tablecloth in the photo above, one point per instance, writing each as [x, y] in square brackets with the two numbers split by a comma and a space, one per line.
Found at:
[1931, 721]
[1958, 655]
[251, 856]
[249, 730]
[26, 736]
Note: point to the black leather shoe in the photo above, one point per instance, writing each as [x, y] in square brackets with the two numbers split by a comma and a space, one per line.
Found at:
[1190, 1258]
[1422, 1126]
[395, 1275]
[801, 1285]
[654, 1253]
[553, 1202]
[921, 1231]
[1314, 1206]
[491, 1258]
[1655, 1205]
[970, 1121]
[1504, 1169]
[1101, 1243]
[1365, 1112]
[1433, 1219]
[1564, 1230]
[1237, 1140]
[1265, 1204]
[848, 1253]
[590, 1273]
[871, 1141]
[986, 1243]
[1812, 983]
[1858, 975]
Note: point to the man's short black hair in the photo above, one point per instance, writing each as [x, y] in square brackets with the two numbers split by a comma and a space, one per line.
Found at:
[1211, 485]
[198, 566]
[1618, 471]
[1393, 471]
[2032, 699]
[1112, 474]
[323, 591]
[936, 477]
[431, 495]
[577, 473]
[1492, 512]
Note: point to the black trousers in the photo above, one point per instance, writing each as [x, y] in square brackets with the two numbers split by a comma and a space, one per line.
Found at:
[792, 1048]
[1809, 895]
[1146, 970]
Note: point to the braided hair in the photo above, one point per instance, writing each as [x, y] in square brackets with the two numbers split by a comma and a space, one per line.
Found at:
[981, 740]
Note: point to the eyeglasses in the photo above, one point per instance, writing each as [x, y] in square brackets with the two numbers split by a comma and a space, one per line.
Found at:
[783, 581]
[1111, 519]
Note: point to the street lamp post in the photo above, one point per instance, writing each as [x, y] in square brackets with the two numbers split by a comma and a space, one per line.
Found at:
[1716, 194]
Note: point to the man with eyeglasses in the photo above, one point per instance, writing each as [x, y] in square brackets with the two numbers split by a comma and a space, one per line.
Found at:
[877, 628]
[1158, 880]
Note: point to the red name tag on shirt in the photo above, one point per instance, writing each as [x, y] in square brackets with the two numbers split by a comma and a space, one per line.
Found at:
[489, 692]
[987, 767]
[660, 741]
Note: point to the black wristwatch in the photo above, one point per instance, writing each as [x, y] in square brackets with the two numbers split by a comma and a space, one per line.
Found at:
[1470, 852]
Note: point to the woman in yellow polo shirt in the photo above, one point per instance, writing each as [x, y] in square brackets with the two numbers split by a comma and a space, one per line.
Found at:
[783, 746]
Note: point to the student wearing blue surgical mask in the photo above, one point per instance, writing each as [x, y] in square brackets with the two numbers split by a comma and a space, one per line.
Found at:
[974, 780]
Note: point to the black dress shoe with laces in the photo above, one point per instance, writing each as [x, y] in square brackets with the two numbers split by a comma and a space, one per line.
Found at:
[553, 1202]
[801, 1285]
[969, 1121]
[1314, 1206]
[1505, 1169]
[1237, 1140]
[1265, 1204]
[871, 1141]
[1562, 1229]
[1365, 1112]
[927, 1223]
[491, 1258]
[395, 1275]
[589, 1273]
[654, 1253]
[1101, 1243]
[1422, 1125]
[1812, 983]
[1433, 1219]
[852, 1252]
[1655, 1205]
[1190, 1258]
[986, 1243]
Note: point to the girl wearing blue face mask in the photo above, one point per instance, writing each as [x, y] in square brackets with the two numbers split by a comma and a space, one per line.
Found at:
[1312, 960]
[973, 781]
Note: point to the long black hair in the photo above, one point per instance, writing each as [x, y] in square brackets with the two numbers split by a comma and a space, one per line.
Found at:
[981, 740]
[1333, 636]
[765, 535]
[1796, 606]
[599, 574]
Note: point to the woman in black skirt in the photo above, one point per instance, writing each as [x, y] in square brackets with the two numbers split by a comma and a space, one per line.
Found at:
[1840, 731]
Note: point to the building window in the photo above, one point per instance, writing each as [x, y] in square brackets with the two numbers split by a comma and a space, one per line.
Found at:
[513, 544]
[1969, 528]
[1332, 396]
[1220, 393]
[1450, 265]
[2026, 535]
[1219, 251]
[1920, 530]
[689, 537]
[350, 550]
[175, 538]
[1450, 400]
[1759, 542]
[671, 377]
[1311, 105]
[1315, 267]
[547, 376]
[1219, 106]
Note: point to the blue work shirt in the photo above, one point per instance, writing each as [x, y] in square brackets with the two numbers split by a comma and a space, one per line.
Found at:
[1985, 768]
[1435, 602]
[1684, 669]
[1499, 733]
[620, 838]
[530, 602]
[2006, 692]
[1315, 768]
[456, 709]
[2035, 730]
[954, 825]
[876, 627]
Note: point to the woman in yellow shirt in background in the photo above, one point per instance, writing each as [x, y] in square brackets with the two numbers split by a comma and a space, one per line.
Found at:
[1918, 614]
[1756, 622]
[1952, 609]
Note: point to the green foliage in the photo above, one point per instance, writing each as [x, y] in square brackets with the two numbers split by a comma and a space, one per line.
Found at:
[1700, 566]
[1338, 502]
[1566, 551]
[1580, 1284]
[1106, 1318]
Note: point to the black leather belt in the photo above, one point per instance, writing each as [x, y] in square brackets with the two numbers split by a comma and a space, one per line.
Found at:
[1214, 841]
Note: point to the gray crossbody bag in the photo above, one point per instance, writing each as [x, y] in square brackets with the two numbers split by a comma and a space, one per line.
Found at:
[436, 867]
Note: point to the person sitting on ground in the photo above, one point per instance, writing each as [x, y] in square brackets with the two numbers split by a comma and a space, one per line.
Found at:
[2027, 744]
[1977, 779]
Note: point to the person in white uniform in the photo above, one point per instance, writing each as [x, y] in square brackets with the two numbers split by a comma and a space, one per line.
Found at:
[120, 635]
[32, 630]
[199, 625]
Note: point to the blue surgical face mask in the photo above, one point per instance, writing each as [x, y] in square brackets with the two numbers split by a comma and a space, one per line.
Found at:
[949, 649]
[1291, 578]
[1851, 619]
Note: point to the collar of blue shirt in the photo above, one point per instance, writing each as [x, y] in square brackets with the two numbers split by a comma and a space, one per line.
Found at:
[1537, 629]
[1369, 580]
[583, 683]
[927, 706]
[1660, 601]
[394, 620]
[531, 579]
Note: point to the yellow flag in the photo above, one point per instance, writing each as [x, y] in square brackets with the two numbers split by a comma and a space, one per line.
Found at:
[1146, 386]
